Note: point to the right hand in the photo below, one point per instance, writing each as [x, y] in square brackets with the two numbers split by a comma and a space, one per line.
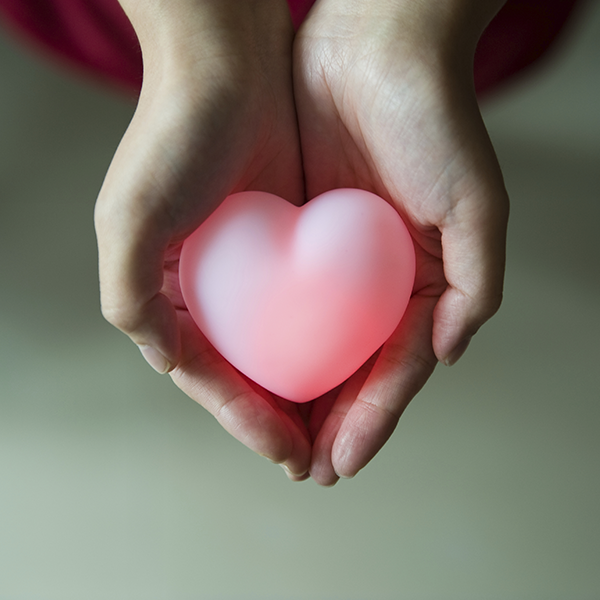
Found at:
[215, 116]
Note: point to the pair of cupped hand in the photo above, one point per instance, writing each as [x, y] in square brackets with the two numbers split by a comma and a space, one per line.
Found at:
[375, 95]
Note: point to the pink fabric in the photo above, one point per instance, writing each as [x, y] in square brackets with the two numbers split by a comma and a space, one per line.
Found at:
[522, 32]
[93, 35]
[299, 9]
[96, 36]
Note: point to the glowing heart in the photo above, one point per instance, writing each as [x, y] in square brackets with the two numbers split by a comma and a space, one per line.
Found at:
[295, 298]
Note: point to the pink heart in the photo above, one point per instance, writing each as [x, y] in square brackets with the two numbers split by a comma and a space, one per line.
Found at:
[295, 298]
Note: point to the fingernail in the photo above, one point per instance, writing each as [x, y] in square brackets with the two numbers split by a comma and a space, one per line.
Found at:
[287, 471]
[293, 476]
[155, 359]
[346, 476]
[458, 351]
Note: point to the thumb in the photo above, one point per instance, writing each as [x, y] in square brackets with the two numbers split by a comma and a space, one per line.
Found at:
[474, 247]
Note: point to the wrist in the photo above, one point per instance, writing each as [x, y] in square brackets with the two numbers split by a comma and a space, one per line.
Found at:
[428, 27]
[176, 37]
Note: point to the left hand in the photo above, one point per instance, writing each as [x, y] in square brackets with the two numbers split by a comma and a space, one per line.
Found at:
[386, 103]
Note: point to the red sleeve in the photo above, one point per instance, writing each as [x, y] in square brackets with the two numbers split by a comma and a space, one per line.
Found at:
[96, 36]
[519, 35]
[92, 35]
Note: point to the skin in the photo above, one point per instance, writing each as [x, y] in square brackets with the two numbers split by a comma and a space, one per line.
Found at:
[380, 97]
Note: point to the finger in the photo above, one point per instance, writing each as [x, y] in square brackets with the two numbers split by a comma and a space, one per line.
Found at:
[131, 285]
[320, 410]
[327, 418]
[405, 363]
[252, 417]
[474, 249]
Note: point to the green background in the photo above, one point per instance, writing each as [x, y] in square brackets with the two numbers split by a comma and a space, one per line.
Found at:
[115, 485]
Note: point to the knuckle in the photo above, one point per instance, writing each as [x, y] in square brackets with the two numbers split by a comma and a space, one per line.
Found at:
[490, 307]
[121, 316]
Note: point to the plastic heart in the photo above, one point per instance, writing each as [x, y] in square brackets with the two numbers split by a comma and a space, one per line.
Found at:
[298, 298]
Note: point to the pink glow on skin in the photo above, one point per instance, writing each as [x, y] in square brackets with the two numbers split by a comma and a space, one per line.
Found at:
[295, 298]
